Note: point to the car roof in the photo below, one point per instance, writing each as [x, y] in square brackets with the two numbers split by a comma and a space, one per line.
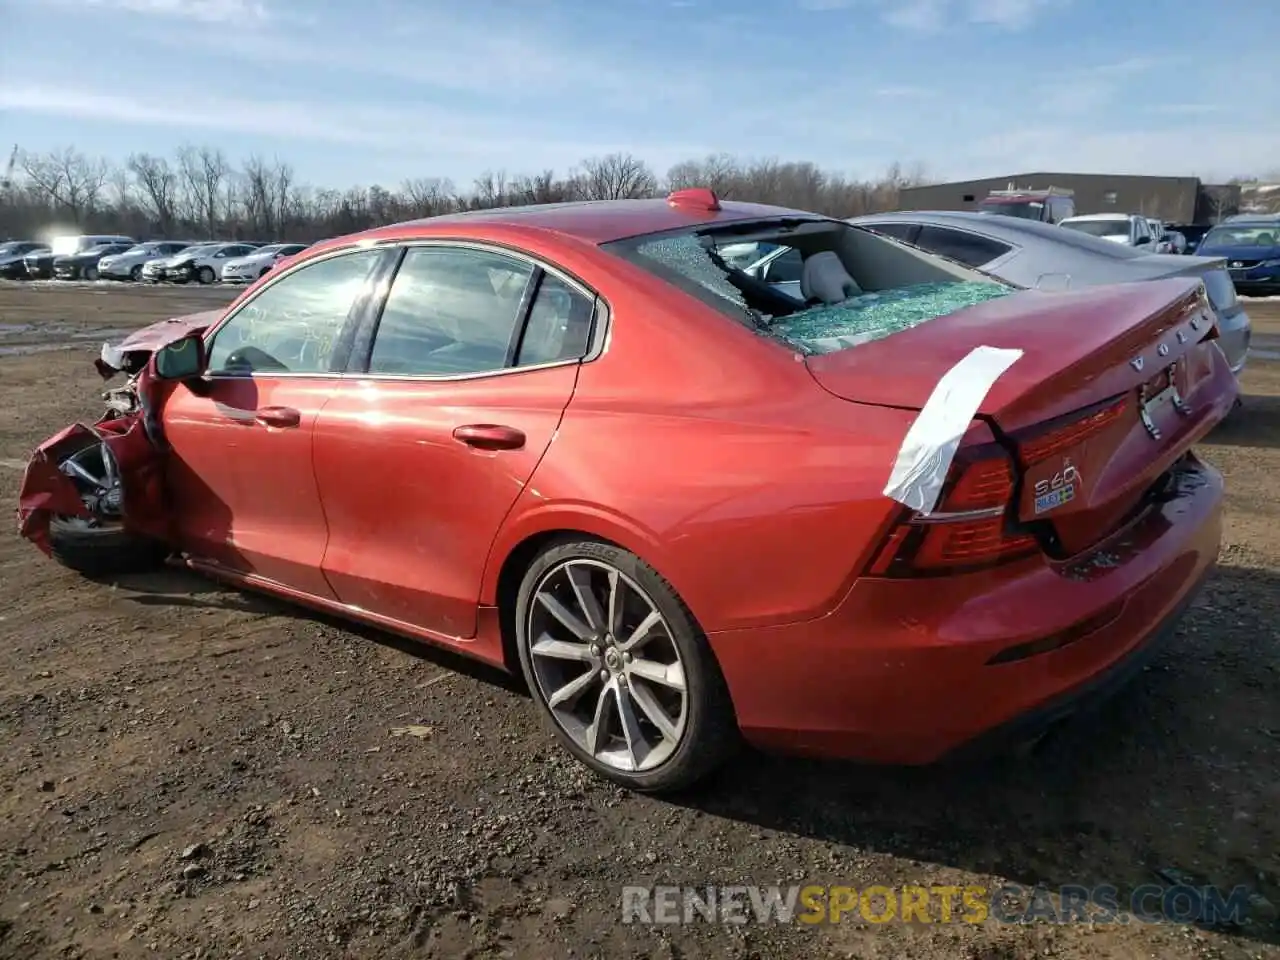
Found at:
[595, 221]
[1046, 248]
[1103, 216]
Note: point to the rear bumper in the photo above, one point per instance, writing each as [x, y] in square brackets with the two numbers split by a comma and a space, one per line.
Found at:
[900, 672]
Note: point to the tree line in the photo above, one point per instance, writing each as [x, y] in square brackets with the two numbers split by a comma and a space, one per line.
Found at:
[200, 193]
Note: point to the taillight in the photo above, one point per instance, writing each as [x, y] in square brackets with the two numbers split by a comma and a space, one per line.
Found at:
[1054, 438]
[969, 530]
[972, 527]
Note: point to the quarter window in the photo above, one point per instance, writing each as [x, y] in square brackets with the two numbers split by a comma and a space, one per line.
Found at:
[970, 249]
[452, 311]
[559, 324]
[293, 325]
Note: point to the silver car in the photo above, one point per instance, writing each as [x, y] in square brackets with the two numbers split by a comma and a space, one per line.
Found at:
[128, 265]
[1029, 254]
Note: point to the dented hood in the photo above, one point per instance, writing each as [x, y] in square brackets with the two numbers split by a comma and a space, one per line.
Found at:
[142, 343]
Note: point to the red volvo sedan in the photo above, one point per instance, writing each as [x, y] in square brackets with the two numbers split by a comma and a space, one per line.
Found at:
[887, 508]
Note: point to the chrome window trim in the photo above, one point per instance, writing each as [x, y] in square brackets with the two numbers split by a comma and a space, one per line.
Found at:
[601, 312]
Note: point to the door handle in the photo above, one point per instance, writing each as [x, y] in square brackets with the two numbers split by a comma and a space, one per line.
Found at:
[278, 417]
[489, 436]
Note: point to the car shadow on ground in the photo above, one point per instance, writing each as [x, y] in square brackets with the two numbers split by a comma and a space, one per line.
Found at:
[1172, 773]
[1256, 423]
[178, 587]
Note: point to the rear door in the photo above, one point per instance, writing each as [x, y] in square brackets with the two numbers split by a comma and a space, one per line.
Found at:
[241, 473]
[455, 392]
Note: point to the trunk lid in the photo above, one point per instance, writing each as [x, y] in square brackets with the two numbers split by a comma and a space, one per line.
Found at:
[1114, 385]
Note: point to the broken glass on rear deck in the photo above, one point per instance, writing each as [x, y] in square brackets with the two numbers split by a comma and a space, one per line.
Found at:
[873, 316]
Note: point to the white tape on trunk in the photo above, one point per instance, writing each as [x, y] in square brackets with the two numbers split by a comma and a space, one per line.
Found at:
[930, 445]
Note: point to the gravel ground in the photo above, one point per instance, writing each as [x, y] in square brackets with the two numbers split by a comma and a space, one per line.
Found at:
[192, 772]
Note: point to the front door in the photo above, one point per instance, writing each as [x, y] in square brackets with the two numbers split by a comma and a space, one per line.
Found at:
[420, 455]
[240, 470]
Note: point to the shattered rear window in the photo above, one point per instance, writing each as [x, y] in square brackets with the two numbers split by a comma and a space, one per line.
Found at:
[685, 261]
[873, 316]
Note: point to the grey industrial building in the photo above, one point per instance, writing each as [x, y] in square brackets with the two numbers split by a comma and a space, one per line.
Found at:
[1171, 199]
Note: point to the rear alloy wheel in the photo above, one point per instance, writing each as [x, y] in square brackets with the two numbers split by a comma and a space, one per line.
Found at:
[616, 662]
[90, 274]
[135, 274]
[206, 275]
[98, 545]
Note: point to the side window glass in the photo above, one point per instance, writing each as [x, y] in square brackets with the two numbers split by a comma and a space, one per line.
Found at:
[786, 267]
[292, 325]
[450, 311]
[968, 248]
[559, 324]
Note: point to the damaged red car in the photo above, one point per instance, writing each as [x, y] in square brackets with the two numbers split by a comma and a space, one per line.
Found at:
[872, 504]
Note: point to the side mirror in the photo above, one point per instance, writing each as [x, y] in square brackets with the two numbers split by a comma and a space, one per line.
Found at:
[181, 360]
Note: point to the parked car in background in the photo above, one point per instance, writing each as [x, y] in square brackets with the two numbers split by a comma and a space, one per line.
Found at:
[40, 265]
[1251, 248]
[128, 264]
[201, 264]
[1177, 241]
[248, 268]
[1051, 205]
[1038, 255]
[12, 253]
[84, 265]
[1127, 228]
[1159, 236]
[1194, 233]
[1020, 564]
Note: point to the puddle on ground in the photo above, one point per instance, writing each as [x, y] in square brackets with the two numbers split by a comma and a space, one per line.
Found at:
[22, 349]
[68, 337]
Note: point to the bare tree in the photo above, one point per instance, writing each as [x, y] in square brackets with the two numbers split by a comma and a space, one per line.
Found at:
[157, 187]
[67, 179]
[202, 172]
[617, 176]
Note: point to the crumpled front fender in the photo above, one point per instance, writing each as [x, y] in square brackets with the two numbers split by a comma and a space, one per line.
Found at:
[46, 490]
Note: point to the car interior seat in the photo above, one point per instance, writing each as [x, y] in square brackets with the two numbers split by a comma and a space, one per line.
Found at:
[824, 279]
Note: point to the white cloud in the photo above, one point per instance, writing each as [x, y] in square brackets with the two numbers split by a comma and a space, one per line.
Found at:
[905, 92]
[205, 11]
[437, 135]
[933, 16]
[1010, 14]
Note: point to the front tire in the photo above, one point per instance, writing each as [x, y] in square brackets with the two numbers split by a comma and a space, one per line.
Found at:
[98, 546]
[206, 275]
[620, 669]
[90, 274]
[135, 274]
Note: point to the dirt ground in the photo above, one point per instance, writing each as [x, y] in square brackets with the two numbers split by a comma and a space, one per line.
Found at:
[192, 772]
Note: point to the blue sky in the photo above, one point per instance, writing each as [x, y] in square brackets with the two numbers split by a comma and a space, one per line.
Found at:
[381, 90]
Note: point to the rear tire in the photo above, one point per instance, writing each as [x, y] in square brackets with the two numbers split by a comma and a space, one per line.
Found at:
[641, 701]
[206, 275]
[135, 274]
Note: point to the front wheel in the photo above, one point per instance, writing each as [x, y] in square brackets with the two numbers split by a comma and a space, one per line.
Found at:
[135, 274]
[98, 545]
[90, 274]
[206, 275]
[618, 666]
